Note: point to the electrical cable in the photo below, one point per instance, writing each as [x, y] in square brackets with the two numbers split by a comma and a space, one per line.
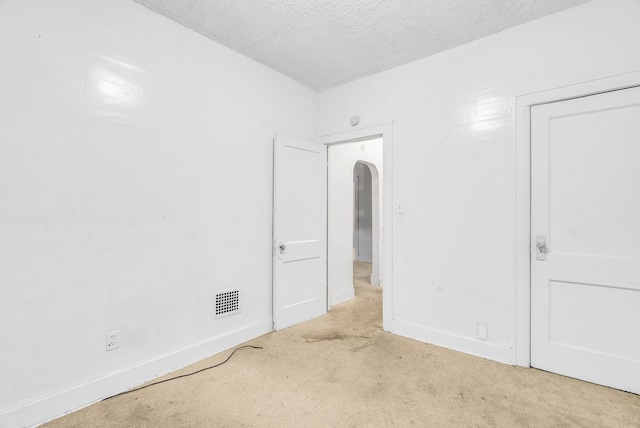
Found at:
[184, 375]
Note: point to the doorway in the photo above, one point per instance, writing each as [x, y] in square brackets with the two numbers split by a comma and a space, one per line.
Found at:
[334, 290]
[354, 221]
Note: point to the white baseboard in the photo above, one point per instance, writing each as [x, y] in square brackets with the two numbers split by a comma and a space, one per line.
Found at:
[336, 299]
[467, 345]
[59, 404]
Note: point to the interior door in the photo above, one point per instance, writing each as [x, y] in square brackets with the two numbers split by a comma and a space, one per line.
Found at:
[585, 235]
[299, 231]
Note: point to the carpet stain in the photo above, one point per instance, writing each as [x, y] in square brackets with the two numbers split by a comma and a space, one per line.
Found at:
[363, 346]
[330, 336]
[310, 338]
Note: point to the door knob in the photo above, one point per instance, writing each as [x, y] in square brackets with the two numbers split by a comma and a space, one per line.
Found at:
[541, 247]
[278, 249]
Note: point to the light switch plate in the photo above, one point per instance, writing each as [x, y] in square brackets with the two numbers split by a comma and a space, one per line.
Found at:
[113, 340]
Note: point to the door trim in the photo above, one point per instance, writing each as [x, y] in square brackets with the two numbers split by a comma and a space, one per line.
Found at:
[386, 132]
[521, 299]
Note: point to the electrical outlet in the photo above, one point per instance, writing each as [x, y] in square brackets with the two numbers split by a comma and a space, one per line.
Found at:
[482, 331]
[113, 340]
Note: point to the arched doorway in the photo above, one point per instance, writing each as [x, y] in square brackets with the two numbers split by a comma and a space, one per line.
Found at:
[366, 218]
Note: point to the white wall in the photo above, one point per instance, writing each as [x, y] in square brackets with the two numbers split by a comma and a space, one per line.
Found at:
[454, 249]
[342, 159]
[135, 174]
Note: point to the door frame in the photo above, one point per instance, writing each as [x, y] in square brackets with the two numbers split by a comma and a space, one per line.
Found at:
[386, 264]
[521, 335]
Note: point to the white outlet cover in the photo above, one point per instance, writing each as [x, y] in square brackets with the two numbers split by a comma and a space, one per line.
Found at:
[482, 332]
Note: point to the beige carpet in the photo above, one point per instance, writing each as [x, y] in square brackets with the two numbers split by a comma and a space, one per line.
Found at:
[342, 370]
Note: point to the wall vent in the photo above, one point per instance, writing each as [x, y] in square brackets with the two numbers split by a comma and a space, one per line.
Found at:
[227, 303]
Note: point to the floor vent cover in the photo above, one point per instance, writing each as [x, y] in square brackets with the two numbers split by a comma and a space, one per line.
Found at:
[227, 302]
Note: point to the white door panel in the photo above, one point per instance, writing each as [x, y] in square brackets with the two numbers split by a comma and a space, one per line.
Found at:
[299, 231]
[585, 199]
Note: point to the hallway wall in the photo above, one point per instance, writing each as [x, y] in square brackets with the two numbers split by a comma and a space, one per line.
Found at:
[454, 154]
[135, 174]
[362, 228]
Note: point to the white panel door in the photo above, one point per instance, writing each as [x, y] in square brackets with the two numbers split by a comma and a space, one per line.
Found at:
[585, 236]
[299, 231]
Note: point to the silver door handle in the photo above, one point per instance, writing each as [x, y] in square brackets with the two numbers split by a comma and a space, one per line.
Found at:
[278, 249]
[541, 247]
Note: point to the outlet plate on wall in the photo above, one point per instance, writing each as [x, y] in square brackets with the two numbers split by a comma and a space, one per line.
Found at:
[482, 332]
[113, 340]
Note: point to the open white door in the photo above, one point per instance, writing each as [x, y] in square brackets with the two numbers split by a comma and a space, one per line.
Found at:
[585, 226]
[299, 231]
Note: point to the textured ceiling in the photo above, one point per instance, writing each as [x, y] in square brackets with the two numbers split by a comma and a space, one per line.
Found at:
[325, 43]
